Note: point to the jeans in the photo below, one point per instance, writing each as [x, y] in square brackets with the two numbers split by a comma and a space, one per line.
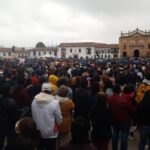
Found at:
[144, 137]
[122, 131]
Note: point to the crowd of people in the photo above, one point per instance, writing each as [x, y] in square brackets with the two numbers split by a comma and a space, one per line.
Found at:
[50, 105]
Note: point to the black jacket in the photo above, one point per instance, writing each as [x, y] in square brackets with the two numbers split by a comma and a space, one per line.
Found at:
[101, 120]
[8, 113]
[143, 110]
[82, 103]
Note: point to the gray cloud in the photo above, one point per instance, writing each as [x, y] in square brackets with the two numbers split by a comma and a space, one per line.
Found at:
[109, 7]
[24, 23]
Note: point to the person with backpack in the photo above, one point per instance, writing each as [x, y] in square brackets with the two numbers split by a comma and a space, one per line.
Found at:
[142, 100]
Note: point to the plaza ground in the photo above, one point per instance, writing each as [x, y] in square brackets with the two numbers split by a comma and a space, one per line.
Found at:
[133, 143]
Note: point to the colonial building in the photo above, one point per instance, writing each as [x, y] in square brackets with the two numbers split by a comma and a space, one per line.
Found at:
[135, 44]
[5, 52]
[20, 52]
[43, 52]
[88, 50]
[107, 51]
[14, 52]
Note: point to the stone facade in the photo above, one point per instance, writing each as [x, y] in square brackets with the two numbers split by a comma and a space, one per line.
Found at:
[135, 44]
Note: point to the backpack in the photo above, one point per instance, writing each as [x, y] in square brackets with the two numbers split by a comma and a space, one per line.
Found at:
[141, 90]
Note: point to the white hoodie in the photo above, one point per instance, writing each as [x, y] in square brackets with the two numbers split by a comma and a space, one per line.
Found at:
[47, 115]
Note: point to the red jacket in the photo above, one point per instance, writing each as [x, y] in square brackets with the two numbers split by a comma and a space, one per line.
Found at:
[121, 108]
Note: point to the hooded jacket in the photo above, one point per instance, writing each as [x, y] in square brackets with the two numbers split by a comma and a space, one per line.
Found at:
[143, 108]
[66, 106]
[53, 80]
[47, 114]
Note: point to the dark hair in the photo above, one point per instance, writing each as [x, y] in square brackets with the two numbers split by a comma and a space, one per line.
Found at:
[83, 83]
[95, 87]
[128, 89]
[47, 91]
[6, 89]
[108, 84]
[101, 97]
[28, 128]
[116, 88]
[147, 74]
[80, 130]
[96, 78]
[62, 81]
[63, 91]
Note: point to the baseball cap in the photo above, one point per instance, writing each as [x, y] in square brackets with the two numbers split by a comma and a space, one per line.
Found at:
[46, 87]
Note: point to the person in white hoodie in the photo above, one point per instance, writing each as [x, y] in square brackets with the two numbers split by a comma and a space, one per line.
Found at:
[47, 115]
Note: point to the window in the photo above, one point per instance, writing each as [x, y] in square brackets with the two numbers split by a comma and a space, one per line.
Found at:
[97, 52]
[70, 50]
[39, 53]
[124, 54]
[50, 53]
[63, 52]
[148, 46]
[44, 53]
[4, 54]
[79, 50]
[115, 56]
[9, 53]
[88, 51]
[34, 53]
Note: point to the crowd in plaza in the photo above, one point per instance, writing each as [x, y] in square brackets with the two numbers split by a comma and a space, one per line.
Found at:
[73, 104]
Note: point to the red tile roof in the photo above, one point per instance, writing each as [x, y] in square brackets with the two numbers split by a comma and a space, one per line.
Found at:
[2, 49]
[80, 44]
[89, 44]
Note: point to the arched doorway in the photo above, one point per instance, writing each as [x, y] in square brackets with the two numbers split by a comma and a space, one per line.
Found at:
[124, 54]
[136, 53]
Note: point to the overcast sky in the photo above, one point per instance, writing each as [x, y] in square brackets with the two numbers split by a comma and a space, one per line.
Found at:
[26, 22]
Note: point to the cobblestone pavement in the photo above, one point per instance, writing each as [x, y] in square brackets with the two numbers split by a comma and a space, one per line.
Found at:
[133, 143]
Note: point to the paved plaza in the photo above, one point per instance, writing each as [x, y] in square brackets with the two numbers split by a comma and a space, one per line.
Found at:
[133, 143]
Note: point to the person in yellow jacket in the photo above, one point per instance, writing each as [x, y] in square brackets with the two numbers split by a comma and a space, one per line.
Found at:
[53, 80]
